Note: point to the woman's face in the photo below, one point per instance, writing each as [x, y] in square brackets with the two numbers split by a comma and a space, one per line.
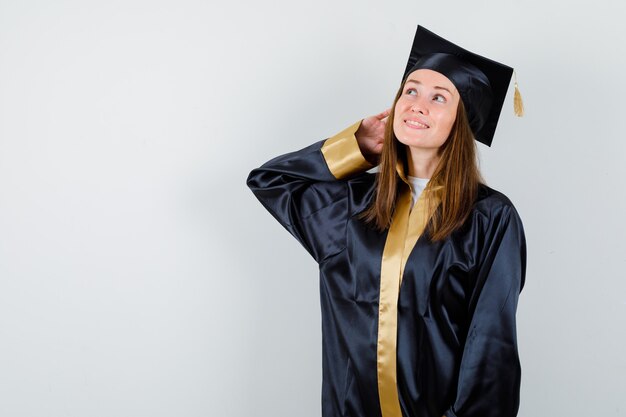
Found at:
[426, 110]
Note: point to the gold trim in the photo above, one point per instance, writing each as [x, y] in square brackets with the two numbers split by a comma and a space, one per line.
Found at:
[406, 228]
[343, 155]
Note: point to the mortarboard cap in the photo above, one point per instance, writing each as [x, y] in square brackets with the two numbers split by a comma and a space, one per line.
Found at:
[481, 82]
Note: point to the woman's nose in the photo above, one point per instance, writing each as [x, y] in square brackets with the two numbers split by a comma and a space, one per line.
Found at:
[419, 106]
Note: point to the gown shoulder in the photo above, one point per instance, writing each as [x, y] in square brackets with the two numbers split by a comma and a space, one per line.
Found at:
[493, 197]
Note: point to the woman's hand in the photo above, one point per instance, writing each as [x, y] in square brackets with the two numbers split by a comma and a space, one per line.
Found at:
[370, 136]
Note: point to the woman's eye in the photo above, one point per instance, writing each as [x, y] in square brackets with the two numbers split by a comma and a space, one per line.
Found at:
[439, 98]
[411, 91]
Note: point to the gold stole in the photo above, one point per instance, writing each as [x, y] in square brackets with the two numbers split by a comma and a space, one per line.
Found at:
[406, 227]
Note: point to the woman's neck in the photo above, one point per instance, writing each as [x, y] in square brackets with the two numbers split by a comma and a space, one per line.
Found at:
[422, 163]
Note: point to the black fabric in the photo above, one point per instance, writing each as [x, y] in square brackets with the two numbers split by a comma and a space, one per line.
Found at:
[457, 348]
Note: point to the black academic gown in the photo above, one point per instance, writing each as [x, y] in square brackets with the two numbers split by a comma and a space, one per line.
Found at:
[410, 327]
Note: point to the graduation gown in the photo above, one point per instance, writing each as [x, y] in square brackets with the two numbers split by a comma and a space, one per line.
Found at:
[410, 327]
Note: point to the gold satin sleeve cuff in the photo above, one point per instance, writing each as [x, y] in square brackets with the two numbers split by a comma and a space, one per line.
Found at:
[343, 155]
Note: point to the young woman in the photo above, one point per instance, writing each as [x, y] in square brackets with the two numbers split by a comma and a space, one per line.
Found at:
[421, 264]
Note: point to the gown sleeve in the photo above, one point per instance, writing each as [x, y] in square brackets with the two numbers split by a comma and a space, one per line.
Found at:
[304, 192]
[489, 375]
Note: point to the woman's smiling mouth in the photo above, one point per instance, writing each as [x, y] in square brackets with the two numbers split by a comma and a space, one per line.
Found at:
[414, 124]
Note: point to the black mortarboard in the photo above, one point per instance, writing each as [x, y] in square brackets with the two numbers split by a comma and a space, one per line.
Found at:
[481, 82]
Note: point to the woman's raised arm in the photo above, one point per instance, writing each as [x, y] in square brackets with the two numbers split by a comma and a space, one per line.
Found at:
[304, 190]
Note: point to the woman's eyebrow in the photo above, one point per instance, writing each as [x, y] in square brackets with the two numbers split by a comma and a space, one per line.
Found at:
[436, 87]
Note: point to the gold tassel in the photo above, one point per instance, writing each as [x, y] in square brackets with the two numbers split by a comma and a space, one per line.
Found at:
[518, 104]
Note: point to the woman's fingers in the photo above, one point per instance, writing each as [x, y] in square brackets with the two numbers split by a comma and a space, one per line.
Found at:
[383, 115]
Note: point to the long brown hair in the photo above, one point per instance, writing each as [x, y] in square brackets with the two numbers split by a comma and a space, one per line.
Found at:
[456, 177]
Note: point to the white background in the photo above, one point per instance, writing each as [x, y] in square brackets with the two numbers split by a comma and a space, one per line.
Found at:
[140, 277]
